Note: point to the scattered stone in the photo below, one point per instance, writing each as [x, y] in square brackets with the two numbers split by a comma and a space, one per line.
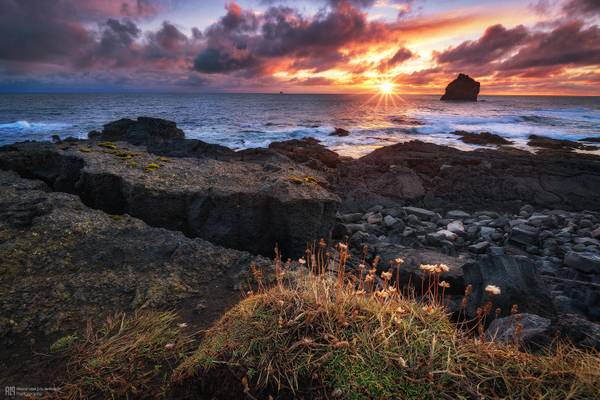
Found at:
[456, 227]
[496, 251]
[350, 218]
[457, 214]
[374, 218]
[486, 232]
[390, 221]
[524, 234]
[534, 331]
[579, 330]
[479, 248]
[586, 262]
[420, 212]
[448, 235]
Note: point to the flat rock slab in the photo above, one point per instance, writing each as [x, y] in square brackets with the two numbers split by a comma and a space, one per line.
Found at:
[62, 263]
[237, 204]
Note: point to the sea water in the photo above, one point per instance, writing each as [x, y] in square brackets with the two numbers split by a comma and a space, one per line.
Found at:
[243, 121]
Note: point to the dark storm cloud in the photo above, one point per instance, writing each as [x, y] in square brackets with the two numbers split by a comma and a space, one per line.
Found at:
[585, 7]
[496, 42]
[570, 44]
[39, 30]
[521, 52]
[243, 40]
[403, 54]
[60, 30]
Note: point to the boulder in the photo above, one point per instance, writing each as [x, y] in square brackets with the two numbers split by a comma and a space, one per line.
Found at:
[340, 132]
[457, 214]
[140, 131]
[482, 139]
[456, 227]
[586, 262]
[556, 144]
[519, 282]
[579, 330]
[420, 212]
[534, 330]
[463, 88]
[390, 221]
[479, 248]
[242, 205]
[524, 234]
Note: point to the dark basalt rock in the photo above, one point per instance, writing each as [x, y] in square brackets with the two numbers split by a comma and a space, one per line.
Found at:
[590, 139]
[63, 264]
[307, 150]
[243, 205]
[142, 130]
[518, 279]
[161, 137]
[557, 144]
[463, 88]
[448, 178]
[340, 132]
[482, 139]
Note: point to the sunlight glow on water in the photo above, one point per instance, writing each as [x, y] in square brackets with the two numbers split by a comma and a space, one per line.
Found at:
[254, 120]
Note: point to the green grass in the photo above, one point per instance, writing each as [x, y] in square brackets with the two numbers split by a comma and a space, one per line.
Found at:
[361, 347]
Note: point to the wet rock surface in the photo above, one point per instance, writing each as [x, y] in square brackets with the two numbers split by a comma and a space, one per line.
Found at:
[63, 263]
[483, 138]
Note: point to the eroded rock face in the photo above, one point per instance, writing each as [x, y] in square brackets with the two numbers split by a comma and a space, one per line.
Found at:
[449, 179]
[242, 205]
[463, 88]
[63, 263]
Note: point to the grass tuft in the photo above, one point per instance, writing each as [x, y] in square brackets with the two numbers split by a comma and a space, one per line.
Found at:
[345, 343]
[125, 358]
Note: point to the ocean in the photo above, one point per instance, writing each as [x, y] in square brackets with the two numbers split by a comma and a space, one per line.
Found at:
[254, 120]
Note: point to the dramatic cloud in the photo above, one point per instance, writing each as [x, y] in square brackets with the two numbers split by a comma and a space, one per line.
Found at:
[403, 54]
[243, 40]
[495, 43]
[589, 7]
[329, 45]
[570, 44]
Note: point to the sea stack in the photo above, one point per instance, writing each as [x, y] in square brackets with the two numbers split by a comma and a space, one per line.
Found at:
[463, 88]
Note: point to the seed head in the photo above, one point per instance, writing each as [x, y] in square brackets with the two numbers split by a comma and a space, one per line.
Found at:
[493, 290]
[444, 284]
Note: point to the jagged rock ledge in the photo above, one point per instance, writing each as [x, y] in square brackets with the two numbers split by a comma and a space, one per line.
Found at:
[238, 204]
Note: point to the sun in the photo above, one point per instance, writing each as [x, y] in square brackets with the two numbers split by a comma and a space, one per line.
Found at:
[386, 87]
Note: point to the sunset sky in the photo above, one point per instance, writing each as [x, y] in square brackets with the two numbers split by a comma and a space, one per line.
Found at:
[312, 46]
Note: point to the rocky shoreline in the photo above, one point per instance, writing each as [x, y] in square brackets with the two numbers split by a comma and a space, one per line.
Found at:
[137, 216]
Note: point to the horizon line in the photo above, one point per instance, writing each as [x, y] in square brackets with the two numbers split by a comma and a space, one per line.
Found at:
[283, 93]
